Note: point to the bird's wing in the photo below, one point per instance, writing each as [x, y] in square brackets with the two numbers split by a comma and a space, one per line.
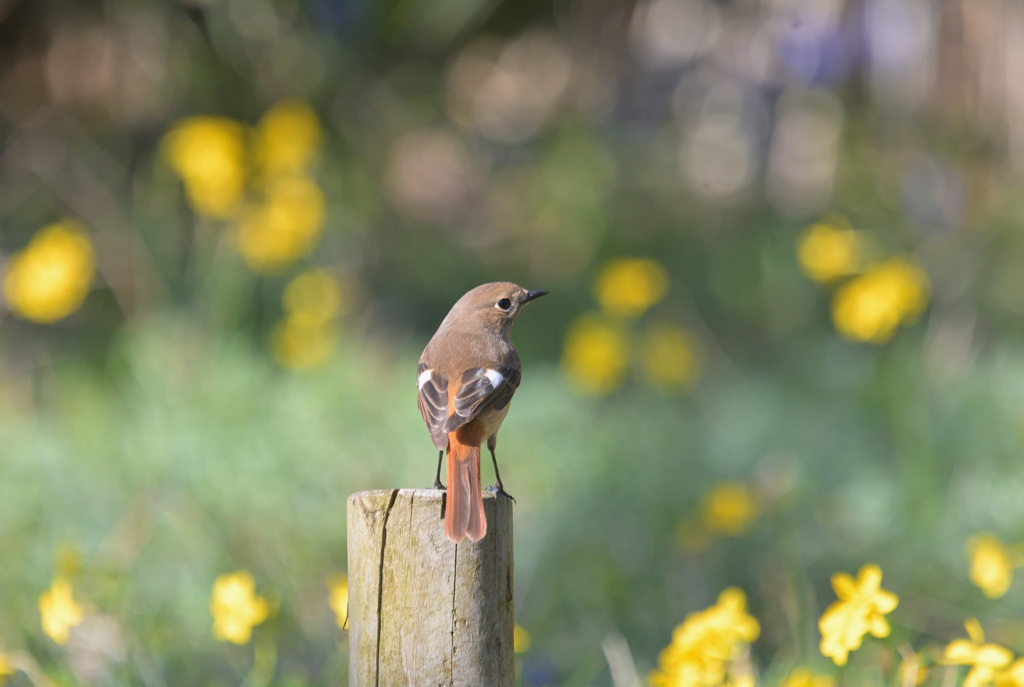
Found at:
[482, 388]
[433, 402]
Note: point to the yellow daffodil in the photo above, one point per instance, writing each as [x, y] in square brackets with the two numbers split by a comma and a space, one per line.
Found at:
[866, 591]
[307, 336]
[991, 565]
[596, 355]
[300, 345]
[521, 639]
[208, 154]
[313, 297]
[668, 357]
[284, 227]
[628, 287]
[337, 599]
[829, 250]
[728, 618]
[842, 628]
[744, 680]
[287, 138]
[6, 668]
[49, 279]
[729, 508]
[868, 308]
[706, 643]
[860, 609]
[236, 608]
[986, 660]
[1013, 676]
[59, 610]
[803, 677]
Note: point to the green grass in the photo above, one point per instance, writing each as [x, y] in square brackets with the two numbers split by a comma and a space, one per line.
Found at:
[186, 456]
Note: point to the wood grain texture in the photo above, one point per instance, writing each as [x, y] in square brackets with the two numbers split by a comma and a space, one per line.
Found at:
[424, 611]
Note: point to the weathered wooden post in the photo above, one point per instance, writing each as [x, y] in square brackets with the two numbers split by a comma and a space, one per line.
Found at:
[424, 611]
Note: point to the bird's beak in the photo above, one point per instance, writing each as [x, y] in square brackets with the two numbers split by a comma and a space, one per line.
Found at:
[530, 295]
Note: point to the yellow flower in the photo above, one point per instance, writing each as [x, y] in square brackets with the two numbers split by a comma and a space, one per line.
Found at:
[1012, 676]
[842, 628]
[520, 639]
[802, 677]
[985, 659]
[991, 565]
[50, 278]
[827, 251]
[870, 307]
[629, 286]
[861, 609]
[729, 508]
[59, 610]
[668, 357]
[706, 643]
[337, 599]
[236, 608]
[287, 138]
[313, 298]
[306, 337]
[743, 680]
[208, 154]
[6, 667]
[300, 345]
[596, 355]
[286, 226]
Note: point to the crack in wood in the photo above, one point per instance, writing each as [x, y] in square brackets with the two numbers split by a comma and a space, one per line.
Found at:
[455, 587]
[380, 579]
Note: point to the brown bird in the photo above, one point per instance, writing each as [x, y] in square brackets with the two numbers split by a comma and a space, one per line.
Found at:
[466, 377]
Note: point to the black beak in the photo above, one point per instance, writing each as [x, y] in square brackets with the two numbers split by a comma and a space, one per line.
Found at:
[530, 295]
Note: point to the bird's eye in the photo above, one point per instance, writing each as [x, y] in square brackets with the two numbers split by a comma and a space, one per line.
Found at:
[504, 304]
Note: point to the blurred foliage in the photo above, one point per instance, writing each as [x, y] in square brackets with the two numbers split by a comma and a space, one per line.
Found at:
[783, 243]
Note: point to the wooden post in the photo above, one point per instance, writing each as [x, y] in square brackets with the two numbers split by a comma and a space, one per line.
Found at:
[424, 611]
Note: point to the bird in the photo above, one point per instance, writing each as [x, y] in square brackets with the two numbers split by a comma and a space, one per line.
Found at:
[465, 380]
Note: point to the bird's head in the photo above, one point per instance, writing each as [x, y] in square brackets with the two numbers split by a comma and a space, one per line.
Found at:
[495, 306]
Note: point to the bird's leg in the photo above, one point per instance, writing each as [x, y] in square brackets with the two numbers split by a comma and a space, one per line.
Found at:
[498, 489]
[437, 479]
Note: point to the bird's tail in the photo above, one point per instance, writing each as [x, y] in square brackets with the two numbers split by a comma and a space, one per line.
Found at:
[464, 513]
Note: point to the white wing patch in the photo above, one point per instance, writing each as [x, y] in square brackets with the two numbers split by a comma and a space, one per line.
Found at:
[424, 378]
[495, 377]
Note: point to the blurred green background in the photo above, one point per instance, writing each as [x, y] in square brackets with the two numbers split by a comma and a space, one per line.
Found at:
[783, 243]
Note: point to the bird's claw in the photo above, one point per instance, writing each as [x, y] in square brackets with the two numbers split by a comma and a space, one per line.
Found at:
[438, 485]
[497, 490]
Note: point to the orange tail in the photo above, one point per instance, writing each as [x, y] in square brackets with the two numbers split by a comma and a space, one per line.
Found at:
[464, 513]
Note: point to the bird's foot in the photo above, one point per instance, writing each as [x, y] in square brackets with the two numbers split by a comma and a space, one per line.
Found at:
[438, 485]
[498, 490]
